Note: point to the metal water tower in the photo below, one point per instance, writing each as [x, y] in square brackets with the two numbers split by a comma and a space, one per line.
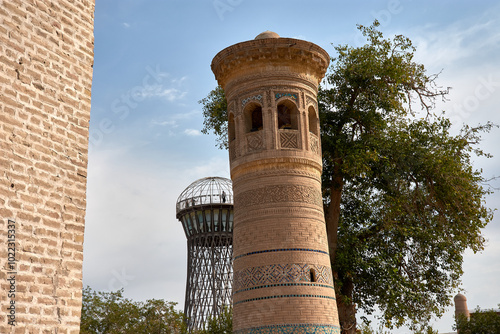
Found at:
[205, 209]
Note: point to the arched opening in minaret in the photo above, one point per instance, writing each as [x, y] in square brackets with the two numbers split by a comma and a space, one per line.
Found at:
[231, 128]
[312, 272]
[313, 121]
[287, 115]
[253, 117]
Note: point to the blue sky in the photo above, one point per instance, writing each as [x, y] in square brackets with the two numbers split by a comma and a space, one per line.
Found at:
[152, 66]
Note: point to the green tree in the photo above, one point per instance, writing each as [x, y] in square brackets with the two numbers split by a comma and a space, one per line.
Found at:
[481, 322]
[402, 200]
[215, 116]
[111, 313]
[223, 324]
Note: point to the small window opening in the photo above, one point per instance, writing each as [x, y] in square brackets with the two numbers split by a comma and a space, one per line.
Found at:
[287, 115]
[312, 272]
[256, 119]
[313, 121]
[284, 117]
[231, 128]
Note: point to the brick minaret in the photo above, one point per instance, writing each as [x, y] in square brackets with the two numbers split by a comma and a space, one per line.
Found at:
[46, 57]
[282, 275]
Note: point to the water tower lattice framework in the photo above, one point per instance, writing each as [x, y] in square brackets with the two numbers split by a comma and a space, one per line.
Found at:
[205, 209]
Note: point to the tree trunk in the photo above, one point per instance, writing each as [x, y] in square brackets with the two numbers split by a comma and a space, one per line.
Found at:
[333, 215]
[346, 309]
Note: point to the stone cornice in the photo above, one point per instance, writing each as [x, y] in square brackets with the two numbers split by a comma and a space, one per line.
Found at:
[251, 57]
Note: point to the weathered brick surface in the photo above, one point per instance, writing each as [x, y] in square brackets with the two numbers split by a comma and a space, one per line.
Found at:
[46, 57]
[281, 265]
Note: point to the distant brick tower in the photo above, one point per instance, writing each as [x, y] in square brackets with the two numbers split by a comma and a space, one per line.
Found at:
[461, 306]
[46, 58]
[282, 275]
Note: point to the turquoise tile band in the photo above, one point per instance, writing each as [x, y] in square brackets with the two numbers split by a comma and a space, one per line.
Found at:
[291, 329]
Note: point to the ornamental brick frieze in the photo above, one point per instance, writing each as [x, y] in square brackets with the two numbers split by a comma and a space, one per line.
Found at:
[282, 79]
[257, 97]
[255, 141]
[311, 101]
[289, 139]
[279, 194]
[314, 143]
[280, 273]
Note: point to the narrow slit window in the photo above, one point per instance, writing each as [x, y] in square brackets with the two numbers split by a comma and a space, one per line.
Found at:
[312, 272]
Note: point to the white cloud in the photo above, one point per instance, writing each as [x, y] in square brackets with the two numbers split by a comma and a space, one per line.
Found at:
[180, 80]
[152, 91]
[192, 132]
[126, 25]
[172, 123]
[469, 38]
[216, 166]
[171, 90]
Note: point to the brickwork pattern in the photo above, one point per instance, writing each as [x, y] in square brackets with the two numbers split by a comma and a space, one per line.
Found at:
[279, 311]
[46, 59]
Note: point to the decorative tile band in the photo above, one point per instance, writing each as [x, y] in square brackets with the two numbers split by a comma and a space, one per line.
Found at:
[283, 284]
[248, 99]
[283, 296]
[285, 193]
[282, 250]
[281, 273]
[278, 96]
[291, 329]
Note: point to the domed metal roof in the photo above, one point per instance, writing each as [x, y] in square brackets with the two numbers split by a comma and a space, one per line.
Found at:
[206, 191]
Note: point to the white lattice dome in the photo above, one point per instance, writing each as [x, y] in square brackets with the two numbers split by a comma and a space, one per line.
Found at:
[206, 191]
[206, 207]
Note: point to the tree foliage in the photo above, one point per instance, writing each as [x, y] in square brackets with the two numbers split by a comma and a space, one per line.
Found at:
[481, 322]
[220, 325]
[365, 328]
[215, 116]
[402, 199]
[111, 313]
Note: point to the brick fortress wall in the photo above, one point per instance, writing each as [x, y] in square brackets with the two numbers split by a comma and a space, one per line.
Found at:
[46, 58]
